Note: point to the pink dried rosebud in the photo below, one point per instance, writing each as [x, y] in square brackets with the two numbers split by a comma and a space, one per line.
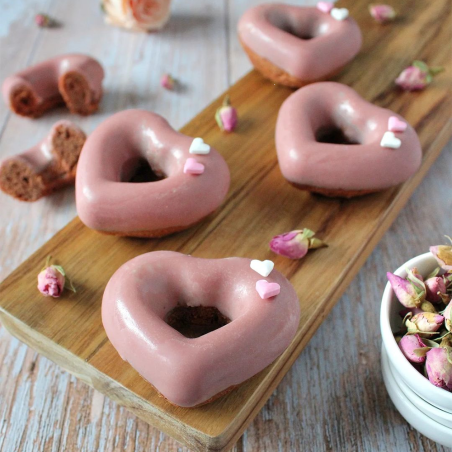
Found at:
[44, 21]
[425, 322]
[167, 82]
[404, 291]
[435, 287]
[295, 244]
[439, 368]
[417, 76]
[408, 344]
[51, 282]
[443, 254]
[226, 116]
[382, 13]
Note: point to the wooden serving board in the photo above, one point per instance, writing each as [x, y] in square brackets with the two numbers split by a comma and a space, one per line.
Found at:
[260, 205]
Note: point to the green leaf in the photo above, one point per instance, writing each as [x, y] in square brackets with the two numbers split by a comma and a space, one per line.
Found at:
[421, 65]
[60, 269]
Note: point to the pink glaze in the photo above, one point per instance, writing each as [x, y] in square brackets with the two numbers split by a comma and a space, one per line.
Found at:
[364, 166]
[41, 155]
[334, 43]
[42, 78]
[106, 203]
[190, 371]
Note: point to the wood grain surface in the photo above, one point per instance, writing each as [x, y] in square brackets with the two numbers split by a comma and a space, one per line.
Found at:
[43, 408]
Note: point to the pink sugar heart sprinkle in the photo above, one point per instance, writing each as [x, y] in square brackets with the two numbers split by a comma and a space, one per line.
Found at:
[266, 289]
[396, 125]
[192, 166]
[325, 7]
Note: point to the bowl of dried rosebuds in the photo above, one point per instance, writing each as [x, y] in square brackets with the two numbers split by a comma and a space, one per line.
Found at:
[416, 324]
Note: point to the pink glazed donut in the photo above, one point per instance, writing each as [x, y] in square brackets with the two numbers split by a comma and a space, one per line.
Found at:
[331, 141]
[73, 79]
[138, 177]
[295, 45]
[148, 291]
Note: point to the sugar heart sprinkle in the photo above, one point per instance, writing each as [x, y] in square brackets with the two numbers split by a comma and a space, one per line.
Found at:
[389, 140]
[325, 7]
[199, 147]
[264, 268]
[192, 166]
[339, 13]
[396, 125]
[266, 289]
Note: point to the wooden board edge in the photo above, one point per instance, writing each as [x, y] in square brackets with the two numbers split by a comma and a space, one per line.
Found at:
[82, 370]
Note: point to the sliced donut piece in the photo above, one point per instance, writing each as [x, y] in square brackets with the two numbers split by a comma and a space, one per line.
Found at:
[141, 296]
[46, 167]
[73, 79]
[331, 141]
[182, 179]
[295, 45]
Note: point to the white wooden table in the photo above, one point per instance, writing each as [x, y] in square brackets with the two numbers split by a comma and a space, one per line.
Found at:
[333, 398]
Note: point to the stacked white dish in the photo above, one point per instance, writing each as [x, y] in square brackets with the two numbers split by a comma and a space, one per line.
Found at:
[427, 408]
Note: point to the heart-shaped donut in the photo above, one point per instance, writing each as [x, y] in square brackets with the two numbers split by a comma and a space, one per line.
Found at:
[296, 45]
[72, 79]
[329, 140]
[110, 201]
[142, 295]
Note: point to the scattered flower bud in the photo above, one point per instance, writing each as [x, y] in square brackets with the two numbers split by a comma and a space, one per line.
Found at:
[404, 291]
[425, 322]
[52, 279]
[382, 13]
[408, 344]
[51, 282]
[45, 21]
[417, 76]
[439, 368]
[295, 244]
[443, 254]
[167, 82]
[226, 116]
[434, 288]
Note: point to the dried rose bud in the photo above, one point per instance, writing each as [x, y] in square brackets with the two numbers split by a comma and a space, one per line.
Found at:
[382, 13]
[439, 368]
[295, 244]
[408, 344]
[417, 76]
[426, 306]
[404, 291]
[51, 281]
[425, 322]
[443, 254]
[435, 287]
[167, 82]
[44, 21]
[226, 116]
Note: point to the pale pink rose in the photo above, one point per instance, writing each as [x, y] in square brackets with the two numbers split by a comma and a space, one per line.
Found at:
[51, 282]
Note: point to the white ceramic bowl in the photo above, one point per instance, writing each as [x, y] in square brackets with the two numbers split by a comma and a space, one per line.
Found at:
[420, 421]
[390, 321]
[442, 417]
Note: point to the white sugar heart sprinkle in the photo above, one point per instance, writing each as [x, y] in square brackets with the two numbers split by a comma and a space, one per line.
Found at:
[389, 140]
[339, 13]
[199, 147]
[264, 268]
